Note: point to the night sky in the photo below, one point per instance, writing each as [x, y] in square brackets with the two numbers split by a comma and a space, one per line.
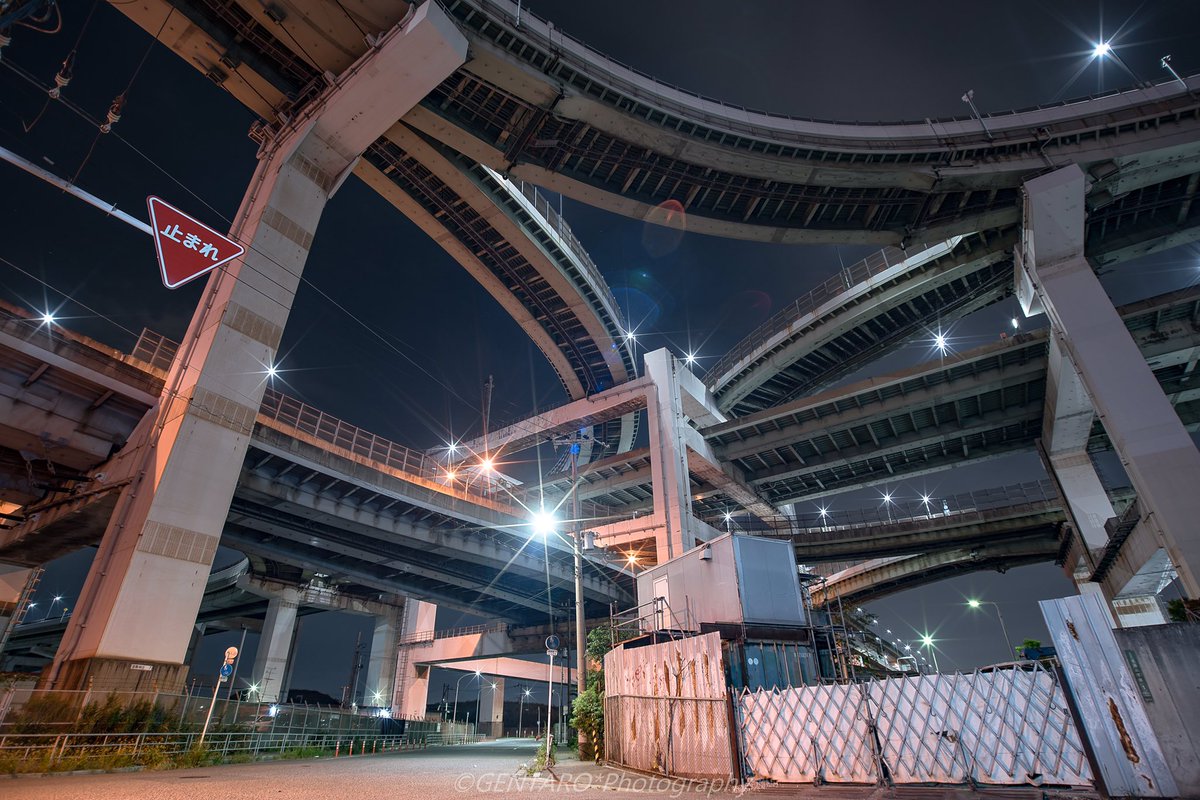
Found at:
[409, 359]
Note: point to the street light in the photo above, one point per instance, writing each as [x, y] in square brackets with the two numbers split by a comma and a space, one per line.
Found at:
[543, 523]
[973, 603]
[927, 641]
[454, 713]
[57, 599]
[521, 712]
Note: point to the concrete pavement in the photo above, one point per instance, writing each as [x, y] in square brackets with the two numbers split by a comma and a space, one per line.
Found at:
[445, 773]
[437, 773]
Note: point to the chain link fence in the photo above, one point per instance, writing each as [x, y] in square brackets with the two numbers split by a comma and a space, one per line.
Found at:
[683, 737]
[992, 727]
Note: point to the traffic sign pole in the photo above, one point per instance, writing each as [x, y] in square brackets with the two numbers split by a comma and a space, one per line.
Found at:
[225, 671]
[552, 645]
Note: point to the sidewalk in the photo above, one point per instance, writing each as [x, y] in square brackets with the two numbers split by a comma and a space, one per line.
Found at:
[580, 775]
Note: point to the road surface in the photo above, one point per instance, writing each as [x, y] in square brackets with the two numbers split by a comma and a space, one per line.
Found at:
[441, 773]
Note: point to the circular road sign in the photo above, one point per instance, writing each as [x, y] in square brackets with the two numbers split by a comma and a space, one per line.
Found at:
[552, 642]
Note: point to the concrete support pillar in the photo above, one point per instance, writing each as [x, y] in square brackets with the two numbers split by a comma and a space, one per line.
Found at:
[141, 596]
[381, 668]
[1158, 454]
[668, 458]
[1066, 428]
[411, 695]
[496, 716]
[271, 661]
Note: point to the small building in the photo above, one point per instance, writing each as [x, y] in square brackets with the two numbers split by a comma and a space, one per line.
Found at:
[747, 588]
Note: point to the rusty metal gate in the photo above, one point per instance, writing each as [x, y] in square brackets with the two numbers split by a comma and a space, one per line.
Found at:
[666, 709]
[997, 727]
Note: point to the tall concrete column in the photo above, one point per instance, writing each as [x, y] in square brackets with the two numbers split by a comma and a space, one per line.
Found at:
[381, 668]
[1066, 427]
[272, 659]
[668, 458]
[141, 596]
[411, 694]
[496, 715]
[1158, 454]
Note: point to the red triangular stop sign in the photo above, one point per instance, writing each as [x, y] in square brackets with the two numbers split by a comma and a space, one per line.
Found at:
[187, 248]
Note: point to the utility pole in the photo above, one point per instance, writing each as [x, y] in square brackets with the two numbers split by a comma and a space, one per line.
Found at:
[355, 669]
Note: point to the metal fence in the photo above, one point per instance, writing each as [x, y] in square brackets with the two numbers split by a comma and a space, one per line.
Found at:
[45, 751]
[991, 727]
[902, 513]
[30, 710]
[666, 709]
[155, 349]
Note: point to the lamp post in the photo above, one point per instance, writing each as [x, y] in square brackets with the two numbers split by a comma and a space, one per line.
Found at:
[927, 641]
[454, 713]
[521, 713]
[973, 603]
[57, 599]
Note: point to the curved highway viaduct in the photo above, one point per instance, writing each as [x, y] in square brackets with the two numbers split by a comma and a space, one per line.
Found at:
[526, 102]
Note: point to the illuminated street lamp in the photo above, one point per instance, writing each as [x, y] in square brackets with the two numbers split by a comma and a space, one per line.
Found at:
[973, 603]
[543, 523]
[1103, 49]
[57, 599]
[521, 712]
[454, 713]
[927, 641]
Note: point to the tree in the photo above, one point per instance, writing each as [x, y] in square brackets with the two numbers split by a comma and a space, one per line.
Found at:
[588, 708]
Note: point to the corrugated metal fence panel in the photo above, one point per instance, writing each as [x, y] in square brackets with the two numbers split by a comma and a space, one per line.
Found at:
[1001, 727]
[666, 708]
[802, 735]
[1127, 751]
[688, 667]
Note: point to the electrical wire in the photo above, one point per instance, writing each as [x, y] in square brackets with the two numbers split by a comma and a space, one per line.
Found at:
[249, 246]
[70, 297]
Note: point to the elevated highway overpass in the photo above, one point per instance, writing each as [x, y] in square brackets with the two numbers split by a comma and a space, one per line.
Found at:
[531, 103]
[316, 494]
[983, 403]
[534, 104]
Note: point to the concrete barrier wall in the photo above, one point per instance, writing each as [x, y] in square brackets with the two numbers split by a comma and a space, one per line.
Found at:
[1165, 663]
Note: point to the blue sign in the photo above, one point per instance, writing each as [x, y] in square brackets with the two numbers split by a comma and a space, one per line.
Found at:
[226, 670]
[552, 642]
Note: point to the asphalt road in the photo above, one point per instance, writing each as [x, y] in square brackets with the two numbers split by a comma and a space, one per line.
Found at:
[442, 773]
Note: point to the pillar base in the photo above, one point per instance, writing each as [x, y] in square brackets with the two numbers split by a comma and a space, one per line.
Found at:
[119, 675]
